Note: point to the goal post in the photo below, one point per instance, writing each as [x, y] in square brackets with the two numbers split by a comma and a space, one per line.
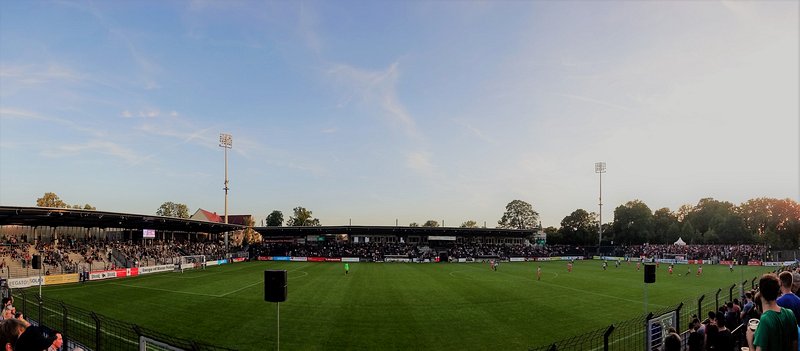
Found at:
[191, 262]
[148, 344]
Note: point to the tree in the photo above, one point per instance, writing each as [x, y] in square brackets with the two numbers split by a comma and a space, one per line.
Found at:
[633, 223]
[579, 228]
[469, 224]
[302, 218]
[275, 219]
[519, 215]
[413, 224]
[50, 200]
[431, 223]
[663, 220]
[89, 207]
[171, 209]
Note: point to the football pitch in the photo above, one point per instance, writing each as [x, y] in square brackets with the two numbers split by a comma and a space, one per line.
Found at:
[454, 306]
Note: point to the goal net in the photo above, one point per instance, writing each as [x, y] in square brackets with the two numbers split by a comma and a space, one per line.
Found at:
[191, 262]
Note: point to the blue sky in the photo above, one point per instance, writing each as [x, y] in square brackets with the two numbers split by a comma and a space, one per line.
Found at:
[407, 110]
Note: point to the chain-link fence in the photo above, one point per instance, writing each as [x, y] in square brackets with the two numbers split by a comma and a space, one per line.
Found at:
[92, 331]
[631, 334]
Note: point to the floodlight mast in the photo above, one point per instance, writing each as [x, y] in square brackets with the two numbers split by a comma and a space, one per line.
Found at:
[226, 142]
[600, 168]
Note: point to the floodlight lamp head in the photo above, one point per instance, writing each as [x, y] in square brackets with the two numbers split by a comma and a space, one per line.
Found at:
[600, 167]
[225, 140]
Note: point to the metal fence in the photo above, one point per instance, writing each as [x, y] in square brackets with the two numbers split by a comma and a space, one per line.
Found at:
[630, 334]
[91, 331]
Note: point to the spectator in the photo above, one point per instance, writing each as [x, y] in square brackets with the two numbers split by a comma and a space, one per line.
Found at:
[777, 329]
[788, 299]
[724, 339]
[695, 337]
[10, 330]
[672, 342]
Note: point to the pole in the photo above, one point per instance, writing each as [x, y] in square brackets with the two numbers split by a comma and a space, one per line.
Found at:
[600, 225]
[279, 326]
[226, 187]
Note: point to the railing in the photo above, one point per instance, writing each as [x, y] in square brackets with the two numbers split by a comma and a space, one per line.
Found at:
[630, 334]
[92, 331]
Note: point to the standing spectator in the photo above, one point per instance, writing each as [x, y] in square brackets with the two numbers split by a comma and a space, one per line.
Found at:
[724, 339]
[788, 299]
[777, 329]
[695, 337]
[711, 331]
[672, 342]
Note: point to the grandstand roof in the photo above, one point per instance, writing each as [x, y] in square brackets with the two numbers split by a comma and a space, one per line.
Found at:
[392, 231]
[65, 217]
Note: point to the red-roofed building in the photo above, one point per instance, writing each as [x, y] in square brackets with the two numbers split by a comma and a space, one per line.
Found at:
[208, 216]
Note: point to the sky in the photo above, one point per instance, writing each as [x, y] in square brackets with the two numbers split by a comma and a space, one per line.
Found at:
[371, 112]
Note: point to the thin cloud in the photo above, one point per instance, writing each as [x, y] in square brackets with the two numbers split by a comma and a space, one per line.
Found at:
[375, 89]
[96, 146]
[420, 161]
[595, 101]
[11, 113]
[474, 131]
[38, 74]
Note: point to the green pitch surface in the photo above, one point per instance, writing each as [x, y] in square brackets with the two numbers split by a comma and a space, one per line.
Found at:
[393, 305]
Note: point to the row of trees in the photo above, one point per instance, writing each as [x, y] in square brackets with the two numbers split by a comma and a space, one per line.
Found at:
[519, 215]
[774, 222]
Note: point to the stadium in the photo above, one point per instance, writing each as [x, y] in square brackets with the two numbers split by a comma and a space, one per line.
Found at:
[484, 175]
[393, 287]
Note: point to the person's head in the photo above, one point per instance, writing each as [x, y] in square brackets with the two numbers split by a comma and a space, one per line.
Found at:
[769, 287]
[8, 312]
[730, 306]
[786, 280]
[10, 330]
[672, 342]
[58, 342]
[712, 316]
[795, 282]
[720, 320]
[35, 339]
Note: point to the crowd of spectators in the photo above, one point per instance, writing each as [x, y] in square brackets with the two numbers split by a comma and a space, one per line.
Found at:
[372, 251]
[764, 319]
[695, 252]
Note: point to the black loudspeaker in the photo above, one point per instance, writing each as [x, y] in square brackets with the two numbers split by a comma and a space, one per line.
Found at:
[36, 263]
[275, 286]
[649, 273]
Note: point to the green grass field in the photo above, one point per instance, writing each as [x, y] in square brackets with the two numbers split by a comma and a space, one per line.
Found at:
[392, 305]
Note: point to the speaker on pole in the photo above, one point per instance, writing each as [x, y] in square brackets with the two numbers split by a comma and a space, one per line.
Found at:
[649, 273]
[275, 286]
[36, 263]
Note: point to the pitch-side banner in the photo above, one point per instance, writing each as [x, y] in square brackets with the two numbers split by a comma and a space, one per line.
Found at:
[97, 275]
[212, 263]
[156, 269]
[60, 279]
[517, 259]
[24, 282]
[299, 259]
[349, 259]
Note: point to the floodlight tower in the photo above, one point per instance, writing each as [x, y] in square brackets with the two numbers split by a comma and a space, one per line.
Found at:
[226, 142]
[600, 168]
